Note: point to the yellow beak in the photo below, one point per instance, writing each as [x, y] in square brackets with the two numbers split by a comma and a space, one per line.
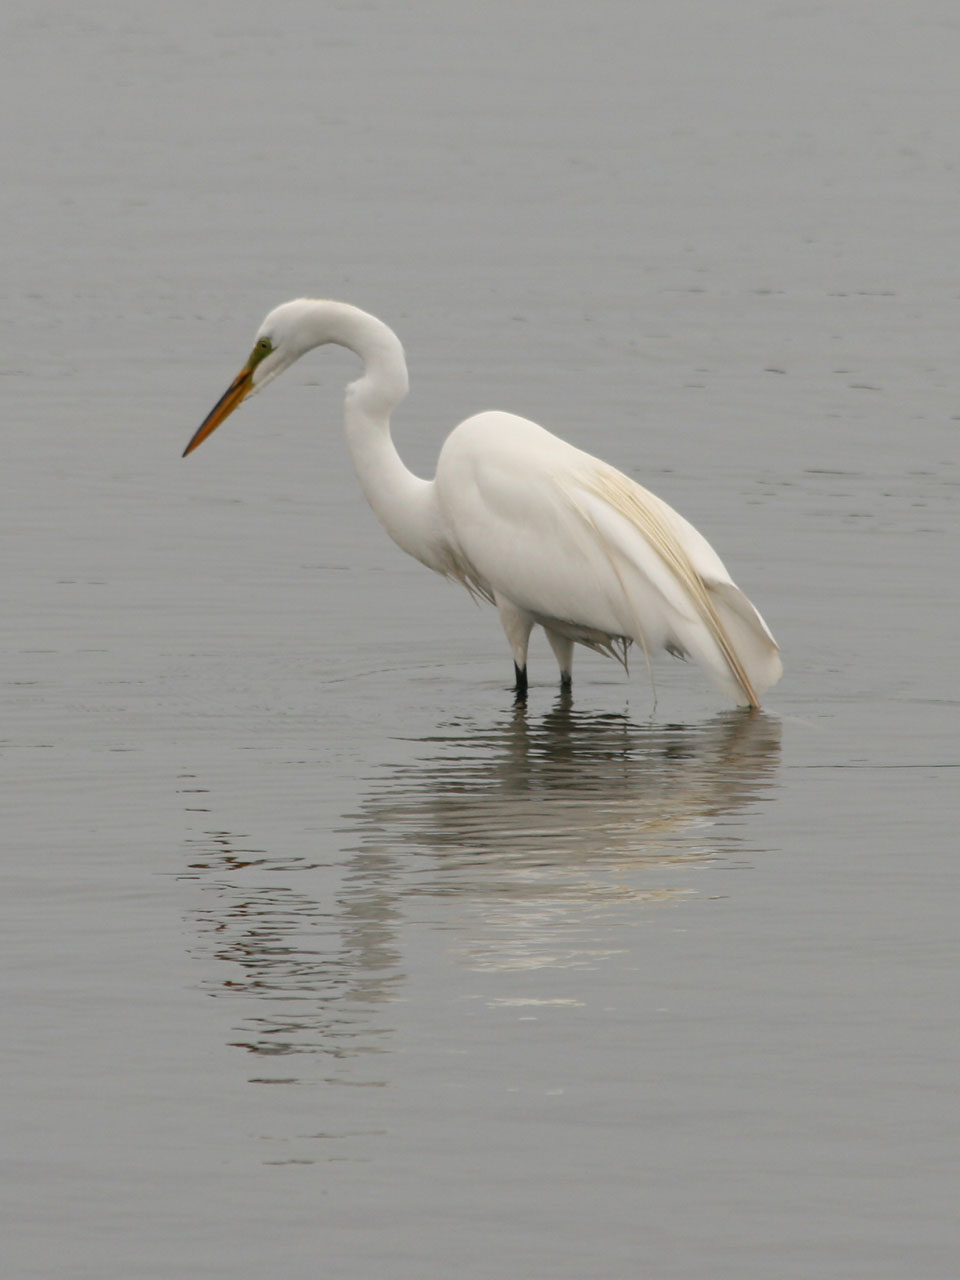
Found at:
[234, 394]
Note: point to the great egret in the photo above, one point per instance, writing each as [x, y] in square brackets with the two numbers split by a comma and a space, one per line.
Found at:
[548, 533]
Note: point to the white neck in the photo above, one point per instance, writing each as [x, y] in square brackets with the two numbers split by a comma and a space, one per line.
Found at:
[403, 503]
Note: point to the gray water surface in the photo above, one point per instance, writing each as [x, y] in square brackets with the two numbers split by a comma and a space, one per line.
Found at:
[320, 958]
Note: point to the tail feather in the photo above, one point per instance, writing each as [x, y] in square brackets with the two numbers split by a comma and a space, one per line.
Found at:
[749, 636]
[731, 642]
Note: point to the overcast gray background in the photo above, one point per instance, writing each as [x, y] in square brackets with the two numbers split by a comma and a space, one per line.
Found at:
[318, 959]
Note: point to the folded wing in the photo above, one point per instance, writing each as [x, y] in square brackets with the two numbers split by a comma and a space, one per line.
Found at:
[585, 550]
[706, 615]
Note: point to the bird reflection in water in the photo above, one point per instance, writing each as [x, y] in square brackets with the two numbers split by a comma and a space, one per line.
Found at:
[525, 844]
[541, 828]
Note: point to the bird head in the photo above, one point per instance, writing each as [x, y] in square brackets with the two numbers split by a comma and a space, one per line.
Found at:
[281, 339]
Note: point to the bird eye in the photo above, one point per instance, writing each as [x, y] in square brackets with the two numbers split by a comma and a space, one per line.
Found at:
[264, 344]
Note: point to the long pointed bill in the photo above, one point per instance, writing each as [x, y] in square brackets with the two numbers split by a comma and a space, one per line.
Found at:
[234, 394]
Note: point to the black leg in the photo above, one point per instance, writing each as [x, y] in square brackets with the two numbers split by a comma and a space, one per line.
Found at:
[520, 688]
[566, 681]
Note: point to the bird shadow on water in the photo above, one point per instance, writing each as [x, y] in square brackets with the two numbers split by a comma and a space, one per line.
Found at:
[526, 843]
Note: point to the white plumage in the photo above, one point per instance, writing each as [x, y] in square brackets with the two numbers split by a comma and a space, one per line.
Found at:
[551, 535]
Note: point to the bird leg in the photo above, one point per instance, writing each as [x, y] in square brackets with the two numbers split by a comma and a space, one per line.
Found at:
[520, 688]
[517, 625]
[562, 647]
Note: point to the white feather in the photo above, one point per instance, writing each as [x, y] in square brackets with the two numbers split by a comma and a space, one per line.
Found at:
[547, 532]
[628, 567]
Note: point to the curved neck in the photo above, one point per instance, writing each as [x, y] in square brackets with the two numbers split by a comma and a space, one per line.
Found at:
[403, 502]
[384, 381]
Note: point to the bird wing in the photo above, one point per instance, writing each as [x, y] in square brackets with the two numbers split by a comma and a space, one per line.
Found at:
[712, 618]
[575, 542]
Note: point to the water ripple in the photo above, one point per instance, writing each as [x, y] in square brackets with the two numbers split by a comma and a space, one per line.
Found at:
[525, 844]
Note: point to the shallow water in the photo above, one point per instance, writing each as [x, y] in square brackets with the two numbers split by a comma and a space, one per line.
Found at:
[321, 958]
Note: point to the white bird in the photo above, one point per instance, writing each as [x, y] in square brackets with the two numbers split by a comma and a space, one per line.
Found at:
[549, 534]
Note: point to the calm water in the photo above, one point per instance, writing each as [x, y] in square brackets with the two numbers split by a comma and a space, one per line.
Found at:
[321, 959]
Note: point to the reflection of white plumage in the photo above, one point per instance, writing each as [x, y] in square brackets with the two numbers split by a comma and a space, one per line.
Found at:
[548, 533]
